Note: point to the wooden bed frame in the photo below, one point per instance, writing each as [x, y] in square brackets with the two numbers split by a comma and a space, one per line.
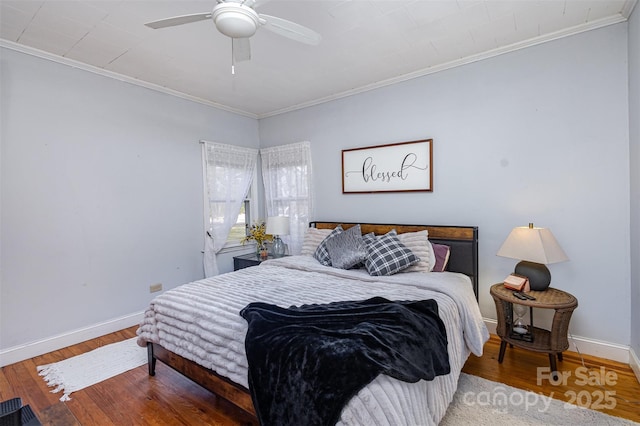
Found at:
[463, 241]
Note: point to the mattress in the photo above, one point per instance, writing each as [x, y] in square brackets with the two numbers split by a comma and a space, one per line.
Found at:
[200, 321]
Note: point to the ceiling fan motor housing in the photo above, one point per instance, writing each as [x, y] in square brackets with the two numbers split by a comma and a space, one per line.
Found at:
[235, 20]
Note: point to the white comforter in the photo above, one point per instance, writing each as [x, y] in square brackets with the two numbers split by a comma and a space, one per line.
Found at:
[200, 322]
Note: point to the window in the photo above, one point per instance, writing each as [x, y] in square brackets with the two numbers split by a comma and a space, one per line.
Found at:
[245, 218]
[228, 173]
[286, 172]
[240, 228]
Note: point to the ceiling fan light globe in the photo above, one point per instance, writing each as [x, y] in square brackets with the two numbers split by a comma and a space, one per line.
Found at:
[234, 20]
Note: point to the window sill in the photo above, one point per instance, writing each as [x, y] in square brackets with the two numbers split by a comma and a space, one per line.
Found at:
[237, 248]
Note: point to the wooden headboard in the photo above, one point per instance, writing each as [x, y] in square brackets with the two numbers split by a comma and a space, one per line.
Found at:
[463, 241]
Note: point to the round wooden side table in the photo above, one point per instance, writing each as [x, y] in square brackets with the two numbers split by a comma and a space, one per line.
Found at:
[553, 341]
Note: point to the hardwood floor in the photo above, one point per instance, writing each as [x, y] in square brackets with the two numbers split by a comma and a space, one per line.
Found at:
[600, 384]
[134, 398]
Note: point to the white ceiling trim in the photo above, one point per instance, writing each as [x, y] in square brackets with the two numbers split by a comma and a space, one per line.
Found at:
[629, 6]
[462, 61]
[106, 73]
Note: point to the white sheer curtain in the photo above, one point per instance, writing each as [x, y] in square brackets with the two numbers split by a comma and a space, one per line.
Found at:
[287, 176]
[228, 171]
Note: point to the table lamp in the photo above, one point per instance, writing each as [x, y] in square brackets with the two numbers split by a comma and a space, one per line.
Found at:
[535, 248]
[276, 226]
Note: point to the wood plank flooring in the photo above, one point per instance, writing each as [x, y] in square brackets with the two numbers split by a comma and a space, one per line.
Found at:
[134, 398]
[597, 384]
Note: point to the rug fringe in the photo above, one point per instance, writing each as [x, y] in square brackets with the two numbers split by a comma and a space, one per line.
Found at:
[53, 377]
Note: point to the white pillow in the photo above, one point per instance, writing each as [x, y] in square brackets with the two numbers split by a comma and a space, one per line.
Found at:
[312, 239]
[418, 243]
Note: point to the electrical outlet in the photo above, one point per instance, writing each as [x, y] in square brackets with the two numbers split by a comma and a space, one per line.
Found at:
[155, 287]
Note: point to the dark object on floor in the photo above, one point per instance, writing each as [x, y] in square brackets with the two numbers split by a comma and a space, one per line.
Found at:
[306, 363]
[58, 414]
[13, 413]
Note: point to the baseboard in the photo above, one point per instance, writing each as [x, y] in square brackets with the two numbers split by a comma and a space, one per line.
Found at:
[30, 350]
[634, 362]
[584, 345]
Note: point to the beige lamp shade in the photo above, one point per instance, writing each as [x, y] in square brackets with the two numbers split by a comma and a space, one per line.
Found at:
[278, 225]
[532, 244]
[535, 248]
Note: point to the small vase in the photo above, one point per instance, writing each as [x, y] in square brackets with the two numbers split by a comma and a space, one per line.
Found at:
[261, 251]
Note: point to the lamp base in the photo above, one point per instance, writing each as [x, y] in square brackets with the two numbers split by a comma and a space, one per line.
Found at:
[278, 247]
[538, 274]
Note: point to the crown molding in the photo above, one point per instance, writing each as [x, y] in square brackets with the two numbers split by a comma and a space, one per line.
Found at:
[628, 8]
[626, 11]
[462, 61]
[117, 76]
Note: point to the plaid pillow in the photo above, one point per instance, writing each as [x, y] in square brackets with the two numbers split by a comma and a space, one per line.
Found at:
[387, 255]
[369, 238]
[322, 254]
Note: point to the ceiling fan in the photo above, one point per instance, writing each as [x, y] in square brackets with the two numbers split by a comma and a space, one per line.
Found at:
[239, 20]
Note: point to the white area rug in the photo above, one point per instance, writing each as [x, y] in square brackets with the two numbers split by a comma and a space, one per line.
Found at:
[482, 402]
[90, 368]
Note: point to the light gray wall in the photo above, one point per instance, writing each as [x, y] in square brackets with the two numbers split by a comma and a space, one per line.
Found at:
[634, 139]
[101, 195]
[101, 180]
[537, 135]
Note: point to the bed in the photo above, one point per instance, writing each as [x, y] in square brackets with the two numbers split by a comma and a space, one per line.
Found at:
[197, 330]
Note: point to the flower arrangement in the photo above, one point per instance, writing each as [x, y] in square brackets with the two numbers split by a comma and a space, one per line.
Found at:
[258, 233]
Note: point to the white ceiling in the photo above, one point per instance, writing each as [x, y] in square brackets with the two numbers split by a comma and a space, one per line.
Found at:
[365, 43]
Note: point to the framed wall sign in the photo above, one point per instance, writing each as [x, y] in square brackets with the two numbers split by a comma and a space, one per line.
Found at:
[398, 167]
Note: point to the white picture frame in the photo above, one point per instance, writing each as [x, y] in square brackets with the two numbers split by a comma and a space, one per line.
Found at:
[398, 167]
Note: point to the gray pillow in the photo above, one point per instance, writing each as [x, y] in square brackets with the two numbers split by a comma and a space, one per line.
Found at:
[387, 255]
[321, 254]
[347, 249]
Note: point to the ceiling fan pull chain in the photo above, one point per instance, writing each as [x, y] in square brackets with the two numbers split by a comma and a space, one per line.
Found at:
[233, 62]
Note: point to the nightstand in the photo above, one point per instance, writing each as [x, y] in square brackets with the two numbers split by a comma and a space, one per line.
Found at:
[552, 342]
[247, 260]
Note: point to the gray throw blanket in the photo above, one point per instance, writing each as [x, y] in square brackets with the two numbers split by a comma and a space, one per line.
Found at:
[306, 363]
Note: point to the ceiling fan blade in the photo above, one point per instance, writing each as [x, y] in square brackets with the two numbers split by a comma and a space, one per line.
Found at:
[241, 49]
[291, 30]
[178, 20]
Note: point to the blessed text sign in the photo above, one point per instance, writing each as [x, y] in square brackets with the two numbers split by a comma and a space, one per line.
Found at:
[396, 167]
